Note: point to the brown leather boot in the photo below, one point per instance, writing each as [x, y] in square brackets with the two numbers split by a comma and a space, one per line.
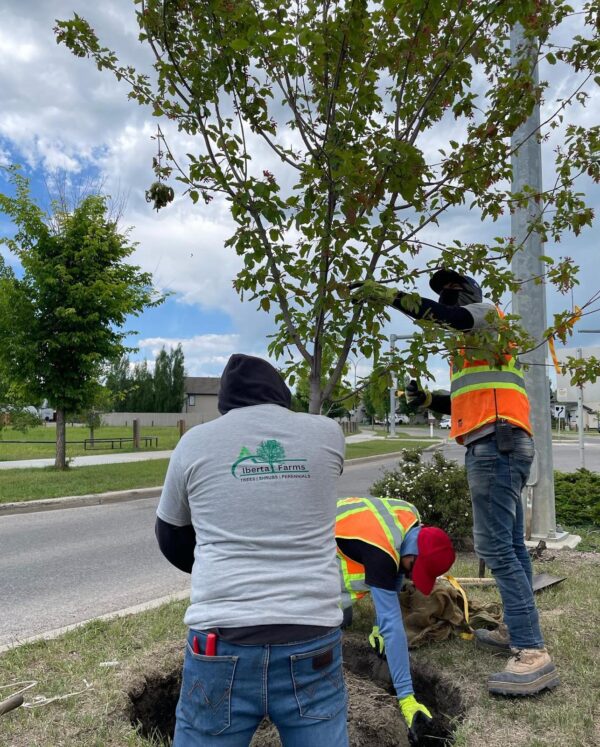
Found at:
[496, 640]
[528, 672]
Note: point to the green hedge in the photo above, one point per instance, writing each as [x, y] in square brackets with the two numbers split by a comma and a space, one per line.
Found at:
[577, 496]
[440, 491]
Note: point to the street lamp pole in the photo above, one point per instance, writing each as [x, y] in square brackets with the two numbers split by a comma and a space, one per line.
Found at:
[394, 385]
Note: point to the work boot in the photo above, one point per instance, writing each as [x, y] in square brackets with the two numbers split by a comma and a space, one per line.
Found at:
[497, 640]
[527, 672]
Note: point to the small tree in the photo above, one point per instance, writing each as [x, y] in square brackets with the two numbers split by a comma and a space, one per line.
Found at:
[63, 318]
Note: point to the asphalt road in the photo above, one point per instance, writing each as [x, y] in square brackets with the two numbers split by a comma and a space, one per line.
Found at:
[66, 566]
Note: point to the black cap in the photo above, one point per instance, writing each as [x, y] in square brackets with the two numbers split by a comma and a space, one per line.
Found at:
[442, 277]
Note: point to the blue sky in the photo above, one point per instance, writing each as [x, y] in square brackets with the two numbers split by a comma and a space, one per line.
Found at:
[59, 114]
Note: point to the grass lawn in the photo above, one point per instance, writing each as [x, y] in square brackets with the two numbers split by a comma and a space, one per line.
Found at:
[112, 655]
[32, 484]
[167, 439]
[389, 446]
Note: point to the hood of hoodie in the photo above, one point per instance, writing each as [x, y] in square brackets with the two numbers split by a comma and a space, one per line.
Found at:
[248, 381]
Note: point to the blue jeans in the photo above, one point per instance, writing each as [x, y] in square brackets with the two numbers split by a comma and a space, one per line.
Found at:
[496, 481]
[299, 686]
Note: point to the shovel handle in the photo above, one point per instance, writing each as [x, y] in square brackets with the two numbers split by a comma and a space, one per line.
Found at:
[10, 703]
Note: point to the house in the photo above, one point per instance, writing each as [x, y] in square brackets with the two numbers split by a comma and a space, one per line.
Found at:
[201, 397]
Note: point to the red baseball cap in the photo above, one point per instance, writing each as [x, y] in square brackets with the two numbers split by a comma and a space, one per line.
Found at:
[435, 557]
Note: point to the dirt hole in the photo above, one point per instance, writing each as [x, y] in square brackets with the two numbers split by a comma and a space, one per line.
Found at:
[374, 719]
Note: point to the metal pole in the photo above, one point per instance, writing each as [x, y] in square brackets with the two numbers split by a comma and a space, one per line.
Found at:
[580, 418]
[530, 301]
[393, 391]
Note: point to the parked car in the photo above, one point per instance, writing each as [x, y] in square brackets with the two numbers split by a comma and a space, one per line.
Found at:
[445, 423]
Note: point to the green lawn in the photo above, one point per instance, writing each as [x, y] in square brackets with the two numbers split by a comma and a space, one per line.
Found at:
[390, 445]
[31, 484]
[167, 439]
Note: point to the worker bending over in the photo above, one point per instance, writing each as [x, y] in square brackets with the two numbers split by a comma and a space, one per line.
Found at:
[380, 543]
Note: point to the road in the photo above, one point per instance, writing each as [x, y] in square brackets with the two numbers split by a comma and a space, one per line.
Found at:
[65, 566]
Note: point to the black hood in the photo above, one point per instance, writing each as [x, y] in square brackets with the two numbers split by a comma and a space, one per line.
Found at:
[248, 381]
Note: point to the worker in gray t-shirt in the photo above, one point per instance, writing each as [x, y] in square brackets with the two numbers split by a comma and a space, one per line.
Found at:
[248, 507]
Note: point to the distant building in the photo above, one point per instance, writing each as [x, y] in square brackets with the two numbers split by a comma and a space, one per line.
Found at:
[201, 396]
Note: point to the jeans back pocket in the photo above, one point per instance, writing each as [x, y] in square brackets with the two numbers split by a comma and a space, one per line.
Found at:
[205, 699]
[319, 682]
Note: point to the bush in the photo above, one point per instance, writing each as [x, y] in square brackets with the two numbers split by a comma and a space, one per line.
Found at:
[577, 496]
[439, 490]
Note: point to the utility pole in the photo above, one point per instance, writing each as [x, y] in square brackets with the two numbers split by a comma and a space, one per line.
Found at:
[530, 303]
[394, 385]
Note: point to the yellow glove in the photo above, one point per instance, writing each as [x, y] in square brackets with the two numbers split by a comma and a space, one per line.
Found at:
[376, 642]
[371, 291]
[417, 718]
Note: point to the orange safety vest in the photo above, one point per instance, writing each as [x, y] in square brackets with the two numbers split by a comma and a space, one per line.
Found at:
[382, 522]
[481, 393]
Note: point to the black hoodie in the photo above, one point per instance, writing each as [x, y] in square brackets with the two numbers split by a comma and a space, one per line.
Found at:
[248, 381]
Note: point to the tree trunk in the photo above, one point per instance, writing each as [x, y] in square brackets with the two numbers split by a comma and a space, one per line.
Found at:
[314, 402]
[61, 443]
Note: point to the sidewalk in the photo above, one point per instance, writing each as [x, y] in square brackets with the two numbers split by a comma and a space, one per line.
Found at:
[86, 461]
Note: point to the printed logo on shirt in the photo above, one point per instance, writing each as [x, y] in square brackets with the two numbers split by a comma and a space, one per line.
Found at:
[268, 463]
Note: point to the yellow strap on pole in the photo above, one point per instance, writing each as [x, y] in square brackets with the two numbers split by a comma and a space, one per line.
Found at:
[467, 636]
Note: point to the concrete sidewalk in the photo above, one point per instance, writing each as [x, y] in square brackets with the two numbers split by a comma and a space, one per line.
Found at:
[86, 461]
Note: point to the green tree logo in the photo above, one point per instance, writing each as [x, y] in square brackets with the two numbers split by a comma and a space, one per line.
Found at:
[270, 451]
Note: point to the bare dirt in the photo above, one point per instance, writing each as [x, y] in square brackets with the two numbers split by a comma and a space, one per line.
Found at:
[374, 719]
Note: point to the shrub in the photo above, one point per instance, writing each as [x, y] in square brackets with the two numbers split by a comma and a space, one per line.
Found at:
[577, 496]
[439, 490]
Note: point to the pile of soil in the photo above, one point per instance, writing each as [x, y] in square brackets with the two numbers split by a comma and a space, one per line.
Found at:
[374, 719]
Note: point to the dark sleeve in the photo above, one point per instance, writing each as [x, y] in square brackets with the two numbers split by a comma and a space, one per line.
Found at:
[440, 402]
[177, 544]
[380, 569]
[456, 317]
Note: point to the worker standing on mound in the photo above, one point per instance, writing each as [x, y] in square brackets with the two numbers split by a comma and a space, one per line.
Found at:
[380, 543]
[490, 416]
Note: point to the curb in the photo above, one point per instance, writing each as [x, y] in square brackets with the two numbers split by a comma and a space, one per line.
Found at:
[77, 501]
[123, 496]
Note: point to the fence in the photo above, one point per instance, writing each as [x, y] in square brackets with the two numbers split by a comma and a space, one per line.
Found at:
[151, 419]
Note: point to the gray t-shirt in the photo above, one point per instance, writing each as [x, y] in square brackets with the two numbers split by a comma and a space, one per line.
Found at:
[259, 486]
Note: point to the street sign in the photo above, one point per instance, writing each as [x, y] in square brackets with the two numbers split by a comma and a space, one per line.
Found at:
[559, 411]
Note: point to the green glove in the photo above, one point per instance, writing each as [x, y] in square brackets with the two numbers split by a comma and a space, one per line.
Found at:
[417, 718]
[376, 642]
[417, 398]
[370, 291]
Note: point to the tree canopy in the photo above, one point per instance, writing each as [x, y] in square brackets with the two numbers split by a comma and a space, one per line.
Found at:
[63, 319]
[381, 117]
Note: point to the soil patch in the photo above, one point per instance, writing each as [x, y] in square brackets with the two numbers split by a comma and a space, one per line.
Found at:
[374, 719]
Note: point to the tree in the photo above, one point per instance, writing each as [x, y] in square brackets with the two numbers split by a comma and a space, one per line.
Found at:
[270, 451]
[162, 381]
[63, 318]
[177, 396]
[383, 118]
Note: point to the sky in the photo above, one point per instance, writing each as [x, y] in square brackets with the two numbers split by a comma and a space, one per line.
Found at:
[60, 115]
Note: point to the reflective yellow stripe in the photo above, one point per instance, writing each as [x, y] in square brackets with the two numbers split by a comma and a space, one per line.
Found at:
[489, 385]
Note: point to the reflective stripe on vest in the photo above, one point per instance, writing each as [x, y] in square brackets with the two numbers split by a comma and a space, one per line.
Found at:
[382, 522]
[481, 393]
